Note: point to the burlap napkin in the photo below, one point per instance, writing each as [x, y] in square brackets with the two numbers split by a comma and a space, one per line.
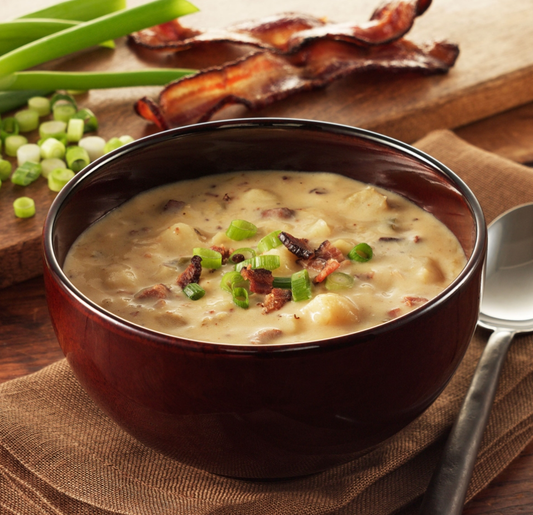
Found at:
[59, 454]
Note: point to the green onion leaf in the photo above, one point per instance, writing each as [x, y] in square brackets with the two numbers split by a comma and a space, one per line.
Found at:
[282, 282]
[24, 207]
[10, 126]
[58, 177]
[232, 280]
[241, 230]
[10, 100]
[339, 281]
[81, 10]
[301, 286]
[242, 251]
[26, 174]
[269, 262]
[241, 298]
[361, 253]
[270, 241]
[194, 291]
[210, 258]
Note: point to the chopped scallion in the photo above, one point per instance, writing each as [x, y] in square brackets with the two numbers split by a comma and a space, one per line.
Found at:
[361, 253]
[90, 123]
[282, 282]
[75, 130]
[10, 127]
[270, 241]
[24, 207]
[62, 99]
[242, 252]
[194, 291]
[52, 129]
[52, 148]
[339, 281]
[63, 112]
[126, 139]
[26, 173]
[241, 298]
[94, 145]
[241, 230]
[59, 177]
[28, 152]
[301, 286]
[77, 158]
[5, 169]
[28, 120]
[12, 144]
[112, 144]
[266, 261]
[232, 280]
[210, 258]
[40, 104]
[47, 165]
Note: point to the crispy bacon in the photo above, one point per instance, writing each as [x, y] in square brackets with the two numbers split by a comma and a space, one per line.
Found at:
[260, 279]
[276, 299]
[288, 33]
[298, 246]
[261, 78]
[330, 266]
[224, 252]
[413, 301]
[328, 251]
[192, 273]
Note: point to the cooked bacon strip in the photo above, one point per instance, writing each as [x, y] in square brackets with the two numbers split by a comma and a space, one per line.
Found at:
[192, 273]
[260, 279]
[276, 299]
[298, 246]
[157, 291]
[288, 33]
[224, 252]
[261, 78]
[330, 266]
[328, 251]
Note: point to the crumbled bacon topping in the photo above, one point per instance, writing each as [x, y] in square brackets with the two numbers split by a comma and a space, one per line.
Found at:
[330, 267]
[414, 301]
[260, 279]
[276, 299]
[224, 252]
[192, 273]
[298, 246]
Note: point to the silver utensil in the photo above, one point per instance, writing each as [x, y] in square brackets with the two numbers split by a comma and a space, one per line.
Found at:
[507, 309]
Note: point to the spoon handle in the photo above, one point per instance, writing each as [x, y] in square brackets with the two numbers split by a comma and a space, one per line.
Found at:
[448, 486]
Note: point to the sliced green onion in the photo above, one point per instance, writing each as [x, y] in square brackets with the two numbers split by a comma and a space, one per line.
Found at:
[265, 261]
[52, 129]
[5, 169]
[242, 252]
[10, 126]
[10, 100]
[94, 145]
[63, 99]
[92, 80]
[301, 286]
[282, 282]
[26, 173]
[241, 298]
[29, 152]
[232, 280]
[77, 158]
[52, 148]
[339, 281]
[241, 230]
[47, 165]
[75, 130]
[210, 258]
[59, 177]
[12, 144]
[24, 207]
[90, 123]
[109, 26]
[28, 120]
[270, 241]
[63, 112]
[126, 139]
[361, 253]
[194, 291]
[112, 144]
[40, 104]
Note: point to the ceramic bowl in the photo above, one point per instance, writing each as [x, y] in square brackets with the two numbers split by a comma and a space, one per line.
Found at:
[276, 411]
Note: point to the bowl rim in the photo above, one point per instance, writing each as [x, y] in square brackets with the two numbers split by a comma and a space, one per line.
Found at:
[156, 338]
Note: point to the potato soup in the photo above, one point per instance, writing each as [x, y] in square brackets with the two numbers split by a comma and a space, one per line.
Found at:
[264, 258]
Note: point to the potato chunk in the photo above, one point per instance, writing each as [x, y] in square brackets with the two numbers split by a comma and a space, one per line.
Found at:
[367, 204]
[331, 309]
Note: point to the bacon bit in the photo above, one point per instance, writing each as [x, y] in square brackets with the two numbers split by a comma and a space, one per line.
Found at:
[226, 197]
[416, 239]
[192, 273]
[283, 213]
[393, 313]
[224, 252]
[259, 79]
[390, 238]
[288, 33]
[413, 301]
[260, 279]
[298, 246]
[328, 251]
[174, 205]
[330, 267]
[265, 336]
[158, 291]
[276, 299]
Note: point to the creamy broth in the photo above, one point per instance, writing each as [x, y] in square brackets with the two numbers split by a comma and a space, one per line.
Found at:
[129, 262]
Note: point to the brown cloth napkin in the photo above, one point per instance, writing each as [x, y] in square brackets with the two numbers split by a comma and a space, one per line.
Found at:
[59, 454]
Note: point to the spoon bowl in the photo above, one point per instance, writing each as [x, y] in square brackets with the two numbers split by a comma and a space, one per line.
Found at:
[506, 309]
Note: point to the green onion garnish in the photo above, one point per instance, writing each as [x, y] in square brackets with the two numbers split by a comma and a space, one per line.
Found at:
[40, 104]
[269, 262]
[270, 241]
[301, 286]
[240, 297]
[62, 99]
[210, 258]
[52, 129]
[90, 123]
[5, 169]
[282, 282]
[77, 158]
[51, 148]
[26, 173]
[58, 177]
[24, 207]
[13, 143]
[75, 129]
[339, 281]
[194, 291]
[112, 144]
[63, 112]
[241, 230]
[232, 280]
[361, 253]
[28, 120]
[242, 252]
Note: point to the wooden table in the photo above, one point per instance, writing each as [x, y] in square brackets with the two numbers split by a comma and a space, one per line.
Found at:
[27, 340]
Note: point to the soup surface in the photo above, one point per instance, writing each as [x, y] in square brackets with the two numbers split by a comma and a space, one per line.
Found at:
[137, 261]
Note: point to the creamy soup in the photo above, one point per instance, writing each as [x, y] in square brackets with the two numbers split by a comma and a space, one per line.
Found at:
[329, 256]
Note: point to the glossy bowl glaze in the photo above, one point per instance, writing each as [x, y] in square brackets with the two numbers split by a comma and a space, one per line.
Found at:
[271, 411]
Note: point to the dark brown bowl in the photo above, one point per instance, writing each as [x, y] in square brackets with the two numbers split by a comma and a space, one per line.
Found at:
[271, 411]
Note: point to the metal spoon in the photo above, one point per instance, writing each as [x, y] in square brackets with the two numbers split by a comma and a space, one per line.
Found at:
[507, 309]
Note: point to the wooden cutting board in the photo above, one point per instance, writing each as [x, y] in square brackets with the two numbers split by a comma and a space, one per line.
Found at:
[494, 73]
